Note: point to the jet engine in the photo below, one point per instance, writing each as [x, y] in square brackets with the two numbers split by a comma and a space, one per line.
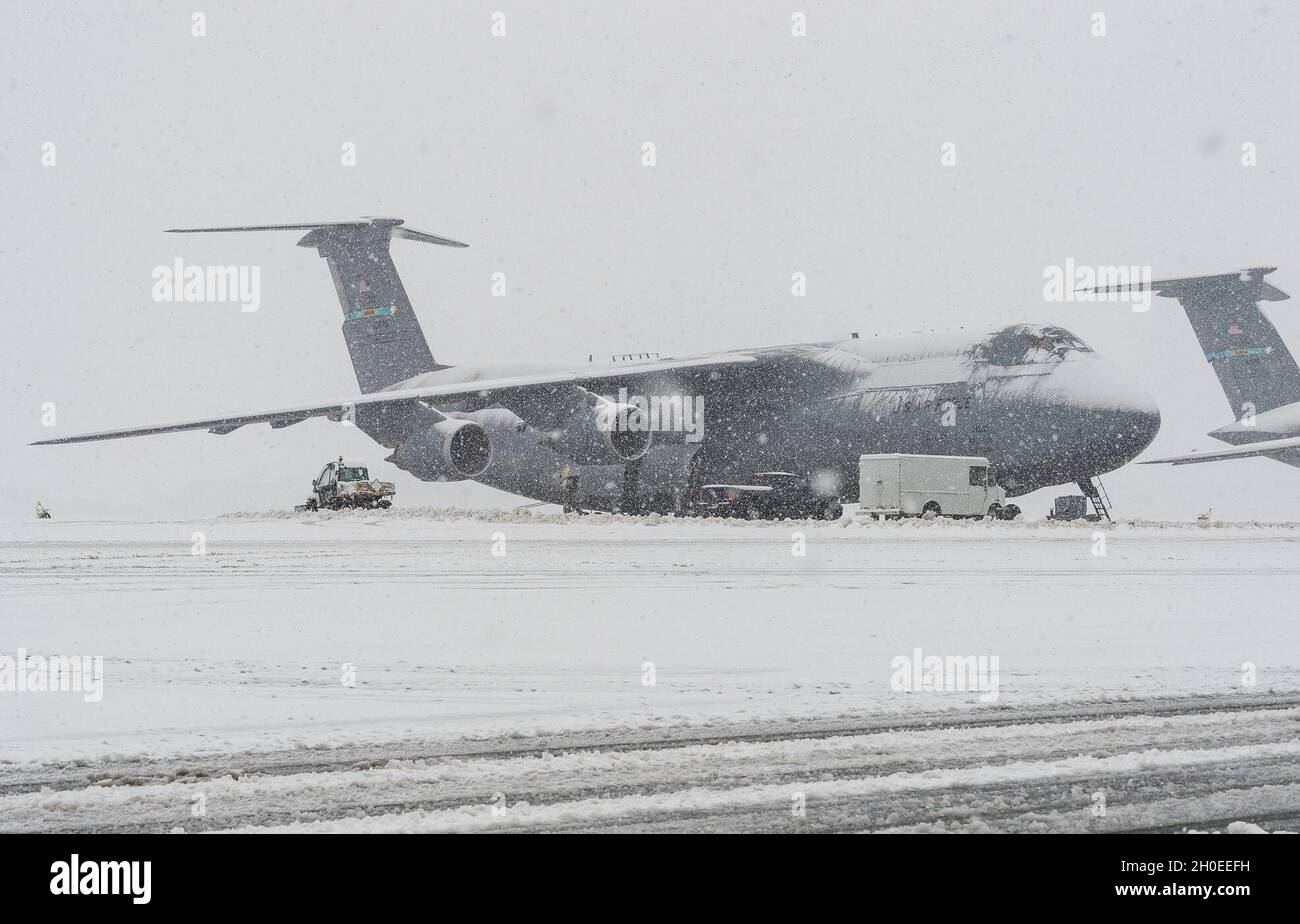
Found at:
[449, 450]
[602, 433]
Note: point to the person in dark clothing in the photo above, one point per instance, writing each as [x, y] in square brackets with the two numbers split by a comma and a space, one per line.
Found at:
[569, 479]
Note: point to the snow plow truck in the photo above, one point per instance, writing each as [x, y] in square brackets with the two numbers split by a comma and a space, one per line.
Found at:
[347, 484]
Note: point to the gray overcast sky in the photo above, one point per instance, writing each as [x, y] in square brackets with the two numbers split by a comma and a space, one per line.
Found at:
[775, 154]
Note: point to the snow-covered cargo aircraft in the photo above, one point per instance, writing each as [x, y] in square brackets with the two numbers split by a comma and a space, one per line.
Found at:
[641, 435]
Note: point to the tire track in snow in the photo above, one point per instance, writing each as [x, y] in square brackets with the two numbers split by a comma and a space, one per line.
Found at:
[136, 771]
[578, 782]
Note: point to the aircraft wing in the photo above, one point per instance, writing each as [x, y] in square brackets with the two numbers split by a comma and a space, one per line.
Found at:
[523, 390]
[1271, 448]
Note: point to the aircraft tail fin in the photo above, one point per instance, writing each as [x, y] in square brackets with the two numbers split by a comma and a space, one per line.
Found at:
[1254, 366]
[384, 337]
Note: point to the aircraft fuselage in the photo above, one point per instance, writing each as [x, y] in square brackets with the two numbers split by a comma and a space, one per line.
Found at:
[1037, 402]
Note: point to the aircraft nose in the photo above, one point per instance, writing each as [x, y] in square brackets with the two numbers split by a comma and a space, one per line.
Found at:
[1119, 418]
[1134, 429]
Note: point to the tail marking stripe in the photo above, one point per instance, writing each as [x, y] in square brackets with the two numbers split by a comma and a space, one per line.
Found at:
[1244, 351]
[371, 313]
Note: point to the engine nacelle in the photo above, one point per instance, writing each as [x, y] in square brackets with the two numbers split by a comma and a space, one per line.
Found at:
[449, 450]
[602, 433]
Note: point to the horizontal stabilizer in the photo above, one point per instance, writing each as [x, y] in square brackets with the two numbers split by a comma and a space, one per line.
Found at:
[1252, 277]
[394, 226]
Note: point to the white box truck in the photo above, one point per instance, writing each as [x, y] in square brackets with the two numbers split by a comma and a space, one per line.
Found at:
[898, 485]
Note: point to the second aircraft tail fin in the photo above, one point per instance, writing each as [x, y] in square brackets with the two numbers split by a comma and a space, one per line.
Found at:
[1254, 366]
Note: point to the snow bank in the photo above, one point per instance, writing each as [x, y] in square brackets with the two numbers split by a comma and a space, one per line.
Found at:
[599, 520]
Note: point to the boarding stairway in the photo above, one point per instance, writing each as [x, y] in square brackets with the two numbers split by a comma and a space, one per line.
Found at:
[1095, 491]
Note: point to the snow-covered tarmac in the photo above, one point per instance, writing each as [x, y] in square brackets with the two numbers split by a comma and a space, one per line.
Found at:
[649, 674]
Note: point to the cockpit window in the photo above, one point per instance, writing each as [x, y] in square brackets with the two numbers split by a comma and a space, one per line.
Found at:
[1058, 338]
[1014, 346]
